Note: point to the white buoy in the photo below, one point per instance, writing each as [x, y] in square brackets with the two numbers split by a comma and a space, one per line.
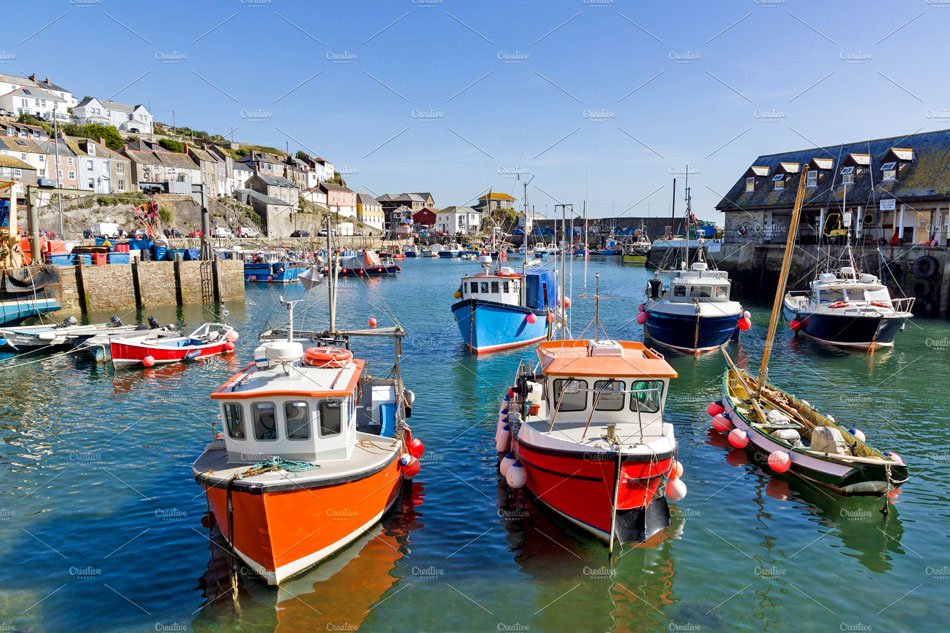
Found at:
[858, 434]
[501, 442]
[505, 464]
[517, 476]
[675, 490]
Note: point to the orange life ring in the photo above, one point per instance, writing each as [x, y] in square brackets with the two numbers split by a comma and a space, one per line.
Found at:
[880, 304]
[326, 356]
[839, 304]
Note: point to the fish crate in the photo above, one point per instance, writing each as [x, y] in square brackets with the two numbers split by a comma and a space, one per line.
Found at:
[119, 258]
[100, 259]
[59, 260]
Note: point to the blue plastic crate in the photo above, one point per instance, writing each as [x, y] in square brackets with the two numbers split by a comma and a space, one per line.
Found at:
[119, 258]
[191, 255]
[85, 257]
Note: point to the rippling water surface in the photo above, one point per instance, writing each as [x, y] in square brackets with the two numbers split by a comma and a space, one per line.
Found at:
[101, 521]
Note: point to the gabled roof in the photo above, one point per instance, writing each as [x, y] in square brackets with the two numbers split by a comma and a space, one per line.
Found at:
[901, 153]
[332, 186]
[174, 159]
[457, 209]
[15, 163]
[35, 93]
[789, 168]
[425, 195]
[365, 198]
[758, 170]
[926, 178]
[263, 197]
[496, 195]
[23, 145]
[821, 163]
[276, 181]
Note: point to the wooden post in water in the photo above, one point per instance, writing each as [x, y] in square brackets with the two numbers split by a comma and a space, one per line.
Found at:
[782, 280]
[179, 293]
[137, 282]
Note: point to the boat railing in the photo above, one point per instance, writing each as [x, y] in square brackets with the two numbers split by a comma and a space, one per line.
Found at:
[903, 304]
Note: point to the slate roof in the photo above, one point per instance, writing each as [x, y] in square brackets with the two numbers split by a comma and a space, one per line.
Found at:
[926, 177]
[276, 181]
[365, 198]
[332, 186]
[36, 93]
[263, 197]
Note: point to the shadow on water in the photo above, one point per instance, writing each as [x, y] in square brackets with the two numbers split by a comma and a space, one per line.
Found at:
[340, 594]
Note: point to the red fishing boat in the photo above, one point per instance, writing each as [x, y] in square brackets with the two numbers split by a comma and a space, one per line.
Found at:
[210, 339]
[313, 453]
[587, 436]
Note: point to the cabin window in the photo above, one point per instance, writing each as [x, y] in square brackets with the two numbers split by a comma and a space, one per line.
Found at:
[750, 184]
[609, 396]
[485, 287]
[234, 420]
[811, 179]
[494, 287]
[701, 291]
[889, 171]
[679, 291]
[646, 395]
[505, 285]
[474, 286]
[722, 292]
[831, 296]
[331, 416]
[571, 394]
[264, 415]
[297, 418]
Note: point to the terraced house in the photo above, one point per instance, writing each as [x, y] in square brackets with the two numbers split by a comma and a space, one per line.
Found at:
[892, 190]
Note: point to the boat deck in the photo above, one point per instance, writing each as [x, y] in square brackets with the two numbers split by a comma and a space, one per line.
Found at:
[371, 454]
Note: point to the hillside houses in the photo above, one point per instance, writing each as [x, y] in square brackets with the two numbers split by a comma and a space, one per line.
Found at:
[124, 117]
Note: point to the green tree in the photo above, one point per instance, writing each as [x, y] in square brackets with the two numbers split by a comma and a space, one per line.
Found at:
[172, 146]
[338, 179]
[302, 155]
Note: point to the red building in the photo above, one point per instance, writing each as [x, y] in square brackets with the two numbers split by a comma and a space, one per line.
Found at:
[425, 216]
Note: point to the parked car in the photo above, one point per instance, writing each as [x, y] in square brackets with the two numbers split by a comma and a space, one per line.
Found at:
[322, 232]
[221, 231]
[248, 231]
[299, 233]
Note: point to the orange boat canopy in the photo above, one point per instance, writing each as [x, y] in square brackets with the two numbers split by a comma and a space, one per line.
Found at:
[585, 357]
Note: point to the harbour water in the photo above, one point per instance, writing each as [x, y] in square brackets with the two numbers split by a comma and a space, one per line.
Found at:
[101, 521]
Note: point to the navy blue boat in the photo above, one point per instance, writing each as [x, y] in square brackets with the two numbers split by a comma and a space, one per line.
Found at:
[693, 315]
[496, 313]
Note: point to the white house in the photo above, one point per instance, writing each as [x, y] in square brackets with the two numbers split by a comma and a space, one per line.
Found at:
[458, 220]
[94, 166]
[35, 101]
[123, 116]
[241, 173]
[9, 83]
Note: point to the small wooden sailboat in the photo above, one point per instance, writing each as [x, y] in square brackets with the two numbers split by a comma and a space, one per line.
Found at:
[314, 451]
[790, 434]
[587, 436]
[848, 308]
[210, 339]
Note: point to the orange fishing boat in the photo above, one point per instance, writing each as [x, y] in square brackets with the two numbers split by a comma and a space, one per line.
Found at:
[313, 452]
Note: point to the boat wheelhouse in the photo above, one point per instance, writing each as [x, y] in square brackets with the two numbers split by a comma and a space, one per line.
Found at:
[451, 250]
[848, 309]
[503, 308]
[587, 428]
[312, 454]
[694, 313]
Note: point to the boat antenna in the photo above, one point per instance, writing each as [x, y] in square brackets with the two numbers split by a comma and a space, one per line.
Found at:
[331, 289]
[596, 304]
[290, 316]
[782, 281]
[586, 193]
[688, 209]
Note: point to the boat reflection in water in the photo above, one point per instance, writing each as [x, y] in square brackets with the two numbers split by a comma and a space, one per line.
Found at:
[339, 594]
[870, 537]
[574, 585]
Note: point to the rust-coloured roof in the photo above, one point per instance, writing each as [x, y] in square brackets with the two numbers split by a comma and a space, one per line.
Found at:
[571, 358]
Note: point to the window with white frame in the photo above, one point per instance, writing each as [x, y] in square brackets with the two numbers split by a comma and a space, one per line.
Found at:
[811, 179]
[847, 175]
[889, 171]
[779, 180]
[72, 175]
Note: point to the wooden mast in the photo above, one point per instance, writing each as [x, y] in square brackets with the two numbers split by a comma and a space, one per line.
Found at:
[782, 280]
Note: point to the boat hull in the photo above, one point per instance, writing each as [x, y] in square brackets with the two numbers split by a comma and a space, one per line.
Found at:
[272, 273]
[844, 330]
[370, 271]
[13, 311]
[487, 326]
[282, 532]
[686, 333]
[634, 260]
[846, 479]
[134, 354]
[449, 254]
[578, 485]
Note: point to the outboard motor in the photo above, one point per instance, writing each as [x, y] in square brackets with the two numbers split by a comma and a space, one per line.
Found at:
[153, 323]
[116, 321]
[70, 321]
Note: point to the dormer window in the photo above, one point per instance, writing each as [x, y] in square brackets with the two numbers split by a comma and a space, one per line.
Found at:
[811, 179]
[750, 184]
[889, 171]
[847, 175]
[779, 180]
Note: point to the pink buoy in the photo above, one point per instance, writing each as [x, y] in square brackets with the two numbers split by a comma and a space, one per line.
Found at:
[744, 324]
[372, 322]
[252, 278]
[567, 302]
[747, 315]
[714, 409]
[641, 308]
[738, 438]
[550, 317]
[780, 461]
[530, 318]
[894, 457]
[677, 470]
[149, 360]
[270, 278]
[675, 490]
[641, 317]
[229, 346]
[795, 324]
[721, 423]
[232, 336]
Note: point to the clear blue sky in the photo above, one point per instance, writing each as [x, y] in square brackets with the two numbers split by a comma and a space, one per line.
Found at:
[642, 88]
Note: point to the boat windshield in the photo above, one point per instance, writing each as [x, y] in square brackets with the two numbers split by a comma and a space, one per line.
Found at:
[646, 395]
[880, 295]
[832, 295]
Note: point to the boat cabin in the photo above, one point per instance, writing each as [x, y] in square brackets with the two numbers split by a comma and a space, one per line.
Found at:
[302, 405]
[504, 286]
[697, 283]
[848, 286]
[589, 384]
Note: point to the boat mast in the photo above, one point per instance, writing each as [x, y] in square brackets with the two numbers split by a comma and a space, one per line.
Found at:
[685, 264]
[586, 193]
[331, 290]
[782, 281]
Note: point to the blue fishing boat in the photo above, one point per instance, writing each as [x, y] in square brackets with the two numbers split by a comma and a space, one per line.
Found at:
[28, 292]
[694, 313]
[503, 308]
[275, 272]
[452, 250]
